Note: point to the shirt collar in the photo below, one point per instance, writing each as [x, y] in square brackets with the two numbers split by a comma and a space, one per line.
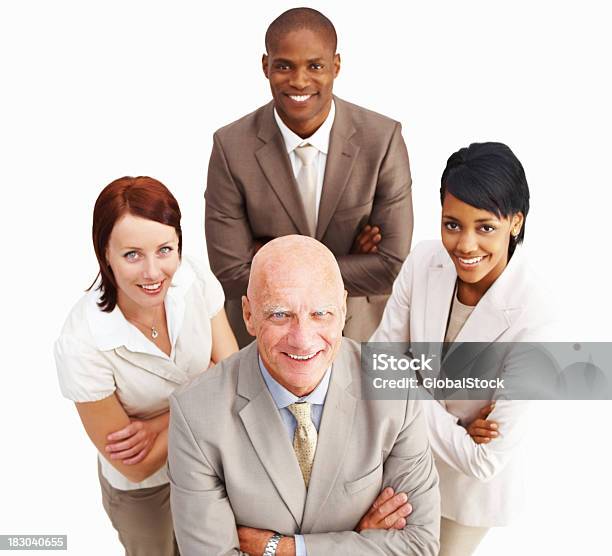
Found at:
[282, 397]
[112, 330]
[319, 139]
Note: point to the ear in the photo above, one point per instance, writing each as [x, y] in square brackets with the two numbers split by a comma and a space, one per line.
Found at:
[336, 65]
[344, 298]
[264, 64]
[516, 223]
[247, 315]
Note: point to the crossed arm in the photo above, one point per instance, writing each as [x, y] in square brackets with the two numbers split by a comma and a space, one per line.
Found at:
[378, 249]
[405, 523]
[137, 448]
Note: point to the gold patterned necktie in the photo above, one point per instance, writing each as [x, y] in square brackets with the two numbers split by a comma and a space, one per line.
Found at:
[307, 182]
[304, 439]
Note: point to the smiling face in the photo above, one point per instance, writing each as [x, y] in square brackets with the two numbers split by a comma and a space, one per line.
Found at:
[143, 255]
[477, 242]
[301, 68]
[295, 306]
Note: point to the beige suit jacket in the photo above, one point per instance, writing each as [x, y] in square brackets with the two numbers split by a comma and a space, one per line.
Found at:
[231, 463]
[252, 195]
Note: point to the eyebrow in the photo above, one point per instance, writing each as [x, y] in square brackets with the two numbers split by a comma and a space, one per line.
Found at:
[480, 220]
[139, 248]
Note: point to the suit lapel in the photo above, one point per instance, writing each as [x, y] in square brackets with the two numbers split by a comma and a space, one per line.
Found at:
[159, 366]
[276, 166]
[333, 440]
[440, 287]
[340, 159]
[268, 435]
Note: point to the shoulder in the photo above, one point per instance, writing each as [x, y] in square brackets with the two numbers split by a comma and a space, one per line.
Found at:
[194, 277]
[77, 326]
[244, 127]
[424, 256]
[214, 389]
[365, 117]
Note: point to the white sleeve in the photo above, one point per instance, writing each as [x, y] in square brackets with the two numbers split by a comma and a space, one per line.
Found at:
[83, 372]
[452, 444]
[213, 291]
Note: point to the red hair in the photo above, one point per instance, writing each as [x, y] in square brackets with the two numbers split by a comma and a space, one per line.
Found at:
[142, 196]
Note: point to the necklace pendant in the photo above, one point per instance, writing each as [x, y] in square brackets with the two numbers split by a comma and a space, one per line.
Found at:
[154, 332]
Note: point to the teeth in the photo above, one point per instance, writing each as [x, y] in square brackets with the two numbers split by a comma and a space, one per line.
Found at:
[471, 261]
[150, 286]
[302, 357]
[299, 98]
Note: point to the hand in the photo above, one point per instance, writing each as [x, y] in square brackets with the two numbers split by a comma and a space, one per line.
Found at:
[131, 444]
[389, 511]
[482, 430]
[253, 541]
[367, 240]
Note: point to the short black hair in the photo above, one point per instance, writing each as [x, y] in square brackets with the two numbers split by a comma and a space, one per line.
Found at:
[300, 18]
[488, 176]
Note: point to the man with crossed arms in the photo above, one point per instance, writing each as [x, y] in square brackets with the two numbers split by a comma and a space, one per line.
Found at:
[310, 163]
[276, 451]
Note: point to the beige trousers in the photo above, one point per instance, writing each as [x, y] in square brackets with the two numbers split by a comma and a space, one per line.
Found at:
[459, 540]
[142, 518]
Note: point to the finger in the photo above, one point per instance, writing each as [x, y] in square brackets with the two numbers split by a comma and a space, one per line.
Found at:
[365, 239]
[376, 239]
[402, 512]
[386, 494]
[124, 454]
[483, 432]
[137, 458]
[484, 424]
[391, 506]
[400, 523]
[125, 444]
[125, 432]
[481, 439]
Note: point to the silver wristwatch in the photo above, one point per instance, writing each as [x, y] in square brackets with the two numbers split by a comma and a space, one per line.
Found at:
[271, 545]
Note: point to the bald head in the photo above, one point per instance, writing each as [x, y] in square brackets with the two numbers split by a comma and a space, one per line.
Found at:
[297, 19]
[293, 259]
[295, 306]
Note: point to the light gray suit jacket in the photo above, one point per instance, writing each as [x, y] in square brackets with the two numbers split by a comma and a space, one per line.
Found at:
[252, 194]
[231, 463]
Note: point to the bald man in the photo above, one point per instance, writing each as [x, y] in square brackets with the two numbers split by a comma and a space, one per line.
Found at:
[276, 451]
[310, 163]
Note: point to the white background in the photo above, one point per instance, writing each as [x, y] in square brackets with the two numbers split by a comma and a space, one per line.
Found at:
[94, 91]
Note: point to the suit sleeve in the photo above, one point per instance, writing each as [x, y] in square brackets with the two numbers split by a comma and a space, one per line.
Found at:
[373, 274]
[203, 519]
[229, 238]
[409, 468]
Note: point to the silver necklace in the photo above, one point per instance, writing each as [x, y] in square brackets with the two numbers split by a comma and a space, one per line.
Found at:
[154, 332]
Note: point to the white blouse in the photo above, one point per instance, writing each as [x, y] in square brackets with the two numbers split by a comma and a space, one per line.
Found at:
[98, 354]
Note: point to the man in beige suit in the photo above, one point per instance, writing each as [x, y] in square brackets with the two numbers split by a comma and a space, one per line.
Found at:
[276, 451]
[310, 163]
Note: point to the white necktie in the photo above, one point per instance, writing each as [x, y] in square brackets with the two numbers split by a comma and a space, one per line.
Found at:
[304, 439]
[307, 182]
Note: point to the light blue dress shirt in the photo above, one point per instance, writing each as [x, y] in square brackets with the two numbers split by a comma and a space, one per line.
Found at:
[282, 399]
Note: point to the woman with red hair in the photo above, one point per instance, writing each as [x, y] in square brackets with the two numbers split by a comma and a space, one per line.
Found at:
[153, 321]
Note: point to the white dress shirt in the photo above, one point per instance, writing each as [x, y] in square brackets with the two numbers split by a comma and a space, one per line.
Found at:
[99, 353]
[319, 139]
[283, 399]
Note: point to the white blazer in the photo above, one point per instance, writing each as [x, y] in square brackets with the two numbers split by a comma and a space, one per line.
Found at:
[481, 485]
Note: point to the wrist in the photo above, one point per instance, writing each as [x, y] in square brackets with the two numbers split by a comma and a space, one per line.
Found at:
[286, 547]
[272, 545]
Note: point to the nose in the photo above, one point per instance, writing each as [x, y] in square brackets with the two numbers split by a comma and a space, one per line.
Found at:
[151, 269]
[299, 79]
[301, 335]
[467, 243]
